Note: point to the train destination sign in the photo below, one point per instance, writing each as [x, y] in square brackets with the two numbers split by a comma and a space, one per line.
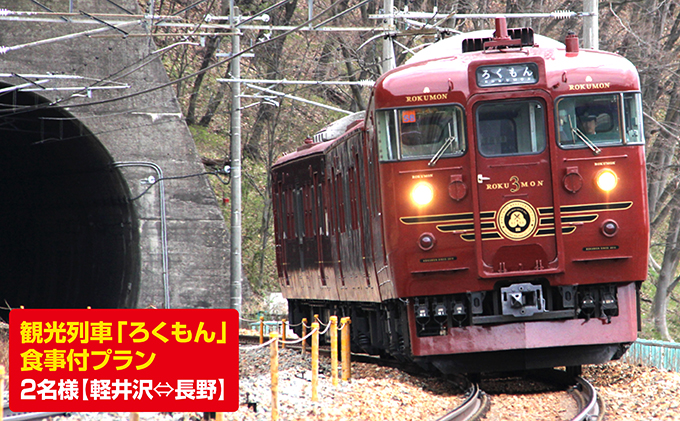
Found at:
[507, 75]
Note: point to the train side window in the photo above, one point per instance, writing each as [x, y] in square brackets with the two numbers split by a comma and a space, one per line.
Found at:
[511, 128]
[632, 118]
[584, 120]
[387, 135]
[290, 216]
[298, 213]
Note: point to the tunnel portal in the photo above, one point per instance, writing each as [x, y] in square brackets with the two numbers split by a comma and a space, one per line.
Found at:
[69, 235]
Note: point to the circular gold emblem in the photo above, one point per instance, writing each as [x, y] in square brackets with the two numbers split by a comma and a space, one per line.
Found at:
[517, 220]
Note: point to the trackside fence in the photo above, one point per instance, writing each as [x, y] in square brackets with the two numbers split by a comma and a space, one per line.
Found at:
[662, 355]
[315, 330]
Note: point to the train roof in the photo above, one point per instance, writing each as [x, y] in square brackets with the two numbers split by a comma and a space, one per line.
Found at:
[441, 73]
[324, 137]
[453, 45]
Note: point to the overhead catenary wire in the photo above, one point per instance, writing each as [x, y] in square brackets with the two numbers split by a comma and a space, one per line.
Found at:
[558, 14]
[297, 98]
[60, 102]
[120, 7]
[187, 77]
[6, 49]
[301, 27]
[179, 80]
[180, 177]
[339, 15]
[110, 79]
[367, 83]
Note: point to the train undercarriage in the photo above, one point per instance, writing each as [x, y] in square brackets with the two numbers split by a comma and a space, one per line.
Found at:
[452, 333]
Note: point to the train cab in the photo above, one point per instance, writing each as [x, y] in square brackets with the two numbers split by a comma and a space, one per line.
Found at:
[517, 182]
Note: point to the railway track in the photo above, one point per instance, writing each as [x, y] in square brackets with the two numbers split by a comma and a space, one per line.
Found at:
[8, 415]
[477, 402]
[592, 407]
[589, 407]
[473, 407]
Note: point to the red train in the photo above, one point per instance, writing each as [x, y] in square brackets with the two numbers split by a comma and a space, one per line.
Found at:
[487, 212]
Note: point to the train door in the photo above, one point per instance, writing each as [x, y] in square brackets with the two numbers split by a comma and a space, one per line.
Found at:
[514, 230]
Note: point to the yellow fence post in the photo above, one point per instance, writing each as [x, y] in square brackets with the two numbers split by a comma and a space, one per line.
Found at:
[274, 354]
[283, 333]
[261, 330]
[346, 363]
[315, 361]
[304, 333]
[334, 349]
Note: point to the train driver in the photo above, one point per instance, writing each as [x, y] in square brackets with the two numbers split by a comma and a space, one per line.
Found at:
[589, 124]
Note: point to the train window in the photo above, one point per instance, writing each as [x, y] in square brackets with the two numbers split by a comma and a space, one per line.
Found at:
[595, 120]
[511, 128]
[632, 118]
[426, 131]
[387, 135]
[421, 132]
[299, 215]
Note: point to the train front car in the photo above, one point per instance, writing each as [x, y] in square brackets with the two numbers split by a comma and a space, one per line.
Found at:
[514, 201]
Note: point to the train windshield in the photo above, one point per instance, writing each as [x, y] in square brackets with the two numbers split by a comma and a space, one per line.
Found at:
[511, 128]
[421, 133]
[599, 120]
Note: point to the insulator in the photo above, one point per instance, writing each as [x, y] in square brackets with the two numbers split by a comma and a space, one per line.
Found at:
[562, 14]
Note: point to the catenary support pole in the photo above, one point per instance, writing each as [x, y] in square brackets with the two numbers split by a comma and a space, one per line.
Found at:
[235, 163]
[590, 25]
[388, 60]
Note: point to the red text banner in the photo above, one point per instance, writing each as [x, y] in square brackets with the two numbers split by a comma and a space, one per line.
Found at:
[123, 360]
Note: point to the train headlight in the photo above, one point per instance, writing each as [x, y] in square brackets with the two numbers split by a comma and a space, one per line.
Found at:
[422, 193]
[606, 180]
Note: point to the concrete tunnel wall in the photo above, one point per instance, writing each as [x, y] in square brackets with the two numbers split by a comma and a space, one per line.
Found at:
[72, 234]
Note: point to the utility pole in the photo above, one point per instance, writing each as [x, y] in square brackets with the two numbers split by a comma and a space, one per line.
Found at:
[388, 60]
[590, 25]
[236, 215]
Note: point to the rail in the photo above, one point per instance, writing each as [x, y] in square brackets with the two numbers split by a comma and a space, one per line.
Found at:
[590, 403]
[8, 415]
[472, 407]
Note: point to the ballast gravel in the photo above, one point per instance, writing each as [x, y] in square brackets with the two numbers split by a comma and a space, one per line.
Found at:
[379, 393]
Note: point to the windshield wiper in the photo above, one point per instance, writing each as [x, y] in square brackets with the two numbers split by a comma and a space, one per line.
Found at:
[582, 136]
[449, 140]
